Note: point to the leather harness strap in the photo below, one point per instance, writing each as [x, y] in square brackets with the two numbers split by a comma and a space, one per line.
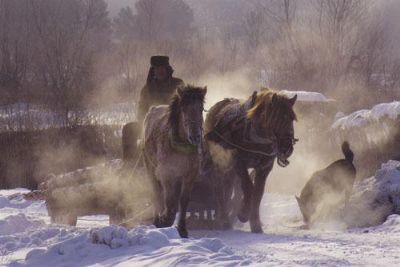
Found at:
[238, 123]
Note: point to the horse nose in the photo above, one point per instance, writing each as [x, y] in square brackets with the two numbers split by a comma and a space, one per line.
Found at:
[289, 152]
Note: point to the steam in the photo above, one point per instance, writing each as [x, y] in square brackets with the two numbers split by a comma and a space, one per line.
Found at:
[234, 84]
[220, 156]
[197, 61]
[110, 187]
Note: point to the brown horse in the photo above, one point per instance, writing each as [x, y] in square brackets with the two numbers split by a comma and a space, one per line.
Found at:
[250, 135]
[172, 150]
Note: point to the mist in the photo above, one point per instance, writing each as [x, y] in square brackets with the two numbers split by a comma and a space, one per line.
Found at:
[346, 52]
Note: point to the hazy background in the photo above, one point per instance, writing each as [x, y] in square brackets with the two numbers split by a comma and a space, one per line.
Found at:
[69, 57]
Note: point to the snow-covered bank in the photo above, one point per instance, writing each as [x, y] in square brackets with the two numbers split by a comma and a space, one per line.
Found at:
[375, 198]
[28, 239]
[307, 96]
[363, 117]
[142, 246]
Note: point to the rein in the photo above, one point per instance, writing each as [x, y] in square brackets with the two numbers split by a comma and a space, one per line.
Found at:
[238, 118]
[251, 135]
[272, 154]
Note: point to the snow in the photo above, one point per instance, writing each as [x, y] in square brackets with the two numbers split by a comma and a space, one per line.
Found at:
[375, 198]
[17, 223]
[22, 116]
[28, 239]
[392, 110]
[363, 117]
[307, 96]
[142, 246]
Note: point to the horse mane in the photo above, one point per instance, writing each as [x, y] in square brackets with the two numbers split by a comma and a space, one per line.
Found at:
[189, 94]
[263, 98]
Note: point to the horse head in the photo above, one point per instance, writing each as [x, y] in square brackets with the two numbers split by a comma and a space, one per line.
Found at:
[273, 117]
[186, 114]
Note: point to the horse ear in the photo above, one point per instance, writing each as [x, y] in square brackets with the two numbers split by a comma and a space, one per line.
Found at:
[179, 91]
[298, 200]
[205, 90]
[293, 100]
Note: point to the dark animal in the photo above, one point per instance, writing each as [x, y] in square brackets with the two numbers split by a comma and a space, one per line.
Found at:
[324, 191]
[172, 152]
[248, 135]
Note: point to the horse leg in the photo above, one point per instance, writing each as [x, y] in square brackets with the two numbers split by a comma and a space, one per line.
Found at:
[168, 216]
[247, 187]
[258, 192]
[183, 202]
[221, 215]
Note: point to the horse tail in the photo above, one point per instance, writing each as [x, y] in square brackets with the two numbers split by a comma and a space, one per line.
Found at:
[302, 210]
[347, 152]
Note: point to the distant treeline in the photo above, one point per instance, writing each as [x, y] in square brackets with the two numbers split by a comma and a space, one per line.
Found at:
[28, 157]
[71, 55]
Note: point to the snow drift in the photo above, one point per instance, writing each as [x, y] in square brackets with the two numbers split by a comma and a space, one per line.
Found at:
[375, 198]
[307, 96]
[27, 238]
[141, 246]
[363, 117]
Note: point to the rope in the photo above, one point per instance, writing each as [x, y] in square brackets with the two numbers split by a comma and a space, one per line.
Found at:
[272, 154]
[147, 157]
[137, 162]
[133, 218]
[140, 154]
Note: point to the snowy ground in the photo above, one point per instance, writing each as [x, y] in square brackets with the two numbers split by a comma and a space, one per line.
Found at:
[28, 239]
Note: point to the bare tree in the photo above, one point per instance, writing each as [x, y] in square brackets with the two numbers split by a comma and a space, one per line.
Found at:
[163, 20]
[254, 29]
[16, 52]
[70, 33]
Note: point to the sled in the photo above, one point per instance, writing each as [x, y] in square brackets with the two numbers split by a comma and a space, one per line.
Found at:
[203, 207]
[104, 189]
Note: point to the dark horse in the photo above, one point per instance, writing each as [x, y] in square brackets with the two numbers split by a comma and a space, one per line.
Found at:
[173, 151]
[250, 135]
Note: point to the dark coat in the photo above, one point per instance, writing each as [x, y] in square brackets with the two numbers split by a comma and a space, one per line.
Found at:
[156, 93]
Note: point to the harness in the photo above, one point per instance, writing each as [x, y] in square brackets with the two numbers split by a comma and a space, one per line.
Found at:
[235, 122]
[181, 147]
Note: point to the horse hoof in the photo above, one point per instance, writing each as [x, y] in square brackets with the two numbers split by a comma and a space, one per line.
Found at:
[157, 222]
[243, 217]
[164, 221]
[256, 228]
[183, 233]
[257, 231]
[244, 213]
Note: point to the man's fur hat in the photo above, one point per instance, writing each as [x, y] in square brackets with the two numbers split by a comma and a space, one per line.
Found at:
[159, 61]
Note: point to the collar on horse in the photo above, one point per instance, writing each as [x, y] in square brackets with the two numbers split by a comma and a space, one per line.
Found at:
[181, 147]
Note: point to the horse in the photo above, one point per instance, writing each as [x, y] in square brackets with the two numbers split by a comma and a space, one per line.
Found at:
[172, 148]
[249, 135]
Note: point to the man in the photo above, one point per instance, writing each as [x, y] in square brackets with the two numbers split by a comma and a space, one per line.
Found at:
[160, 86]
